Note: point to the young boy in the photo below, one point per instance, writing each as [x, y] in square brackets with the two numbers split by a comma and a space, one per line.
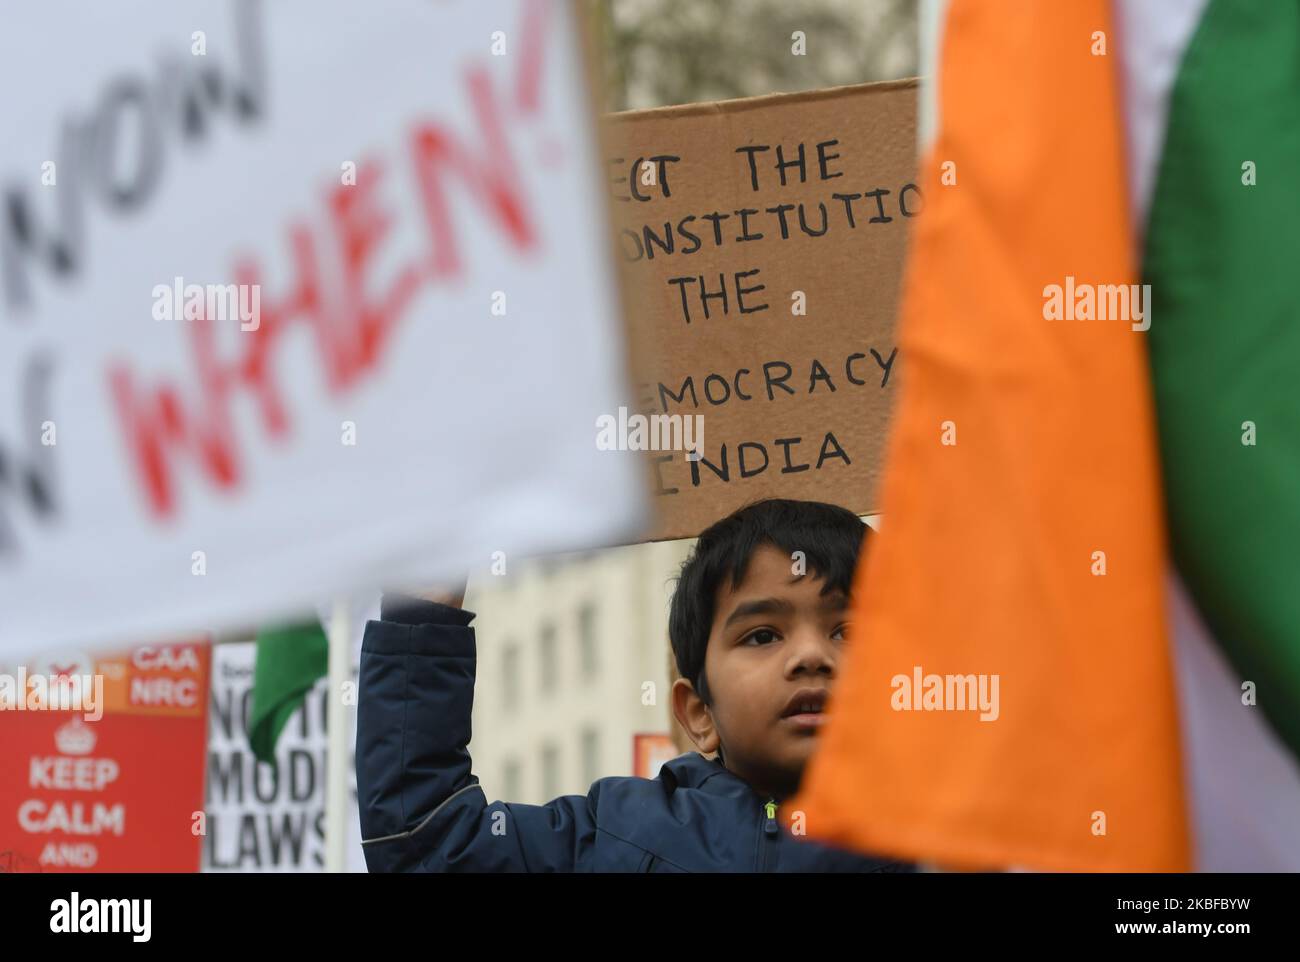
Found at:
[758, 626]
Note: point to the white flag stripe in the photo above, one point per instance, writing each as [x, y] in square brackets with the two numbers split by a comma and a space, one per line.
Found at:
[1152, 38]
[1243, 783]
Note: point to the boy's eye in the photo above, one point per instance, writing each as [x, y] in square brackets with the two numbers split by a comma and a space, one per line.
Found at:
[763, 636]
[841, 633]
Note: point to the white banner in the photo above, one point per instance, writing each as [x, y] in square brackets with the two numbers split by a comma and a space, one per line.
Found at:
[295, 296]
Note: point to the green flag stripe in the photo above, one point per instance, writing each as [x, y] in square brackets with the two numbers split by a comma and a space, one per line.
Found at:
[290, 660]
[1222, 259]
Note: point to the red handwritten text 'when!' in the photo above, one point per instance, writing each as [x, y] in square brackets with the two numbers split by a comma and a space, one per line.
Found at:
[350, 329]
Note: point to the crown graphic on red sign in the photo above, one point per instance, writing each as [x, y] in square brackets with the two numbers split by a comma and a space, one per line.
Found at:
[74, 738]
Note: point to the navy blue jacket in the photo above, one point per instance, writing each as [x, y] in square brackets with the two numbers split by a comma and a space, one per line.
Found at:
[422, 809]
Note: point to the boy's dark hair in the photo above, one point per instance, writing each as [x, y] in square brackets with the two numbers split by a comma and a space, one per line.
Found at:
[829, 536]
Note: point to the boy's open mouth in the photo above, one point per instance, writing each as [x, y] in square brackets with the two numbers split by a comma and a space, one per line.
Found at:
[806, 708]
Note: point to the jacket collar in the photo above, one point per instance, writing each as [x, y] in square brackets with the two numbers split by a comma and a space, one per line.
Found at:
[693, 770]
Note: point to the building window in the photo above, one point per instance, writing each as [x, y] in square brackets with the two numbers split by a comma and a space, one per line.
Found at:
[550, 771]
[590, 755]
[510, 677]
[549, 673]
[514, 780]
[588, 653]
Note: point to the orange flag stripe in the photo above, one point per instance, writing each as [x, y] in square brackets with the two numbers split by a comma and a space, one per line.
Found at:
[985, 562]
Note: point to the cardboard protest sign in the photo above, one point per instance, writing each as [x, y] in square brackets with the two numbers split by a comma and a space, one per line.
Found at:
[118, 785]
[294, 298]
[762, 245]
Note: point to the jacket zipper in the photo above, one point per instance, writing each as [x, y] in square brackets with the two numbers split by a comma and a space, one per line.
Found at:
[771, 833]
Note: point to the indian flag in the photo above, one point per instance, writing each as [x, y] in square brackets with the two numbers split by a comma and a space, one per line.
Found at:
[1078, 642]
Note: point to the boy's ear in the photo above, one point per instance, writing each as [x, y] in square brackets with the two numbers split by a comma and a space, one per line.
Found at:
[694, 716]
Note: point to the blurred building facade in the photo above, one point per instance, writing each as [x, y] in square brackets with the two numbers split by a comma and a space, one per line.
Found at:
[573, 662]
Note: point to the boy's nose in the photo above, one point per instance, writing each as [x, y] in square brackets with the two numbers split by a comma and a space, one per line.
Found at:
[811, 654]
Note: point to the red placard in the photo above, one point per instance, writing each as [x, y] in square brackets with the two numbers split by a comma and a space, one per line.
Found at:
[649, 751]
[119, 793]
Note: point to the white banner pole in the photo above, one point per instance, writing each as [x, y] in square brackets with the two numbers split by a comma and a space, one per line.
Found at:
[337, 725]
